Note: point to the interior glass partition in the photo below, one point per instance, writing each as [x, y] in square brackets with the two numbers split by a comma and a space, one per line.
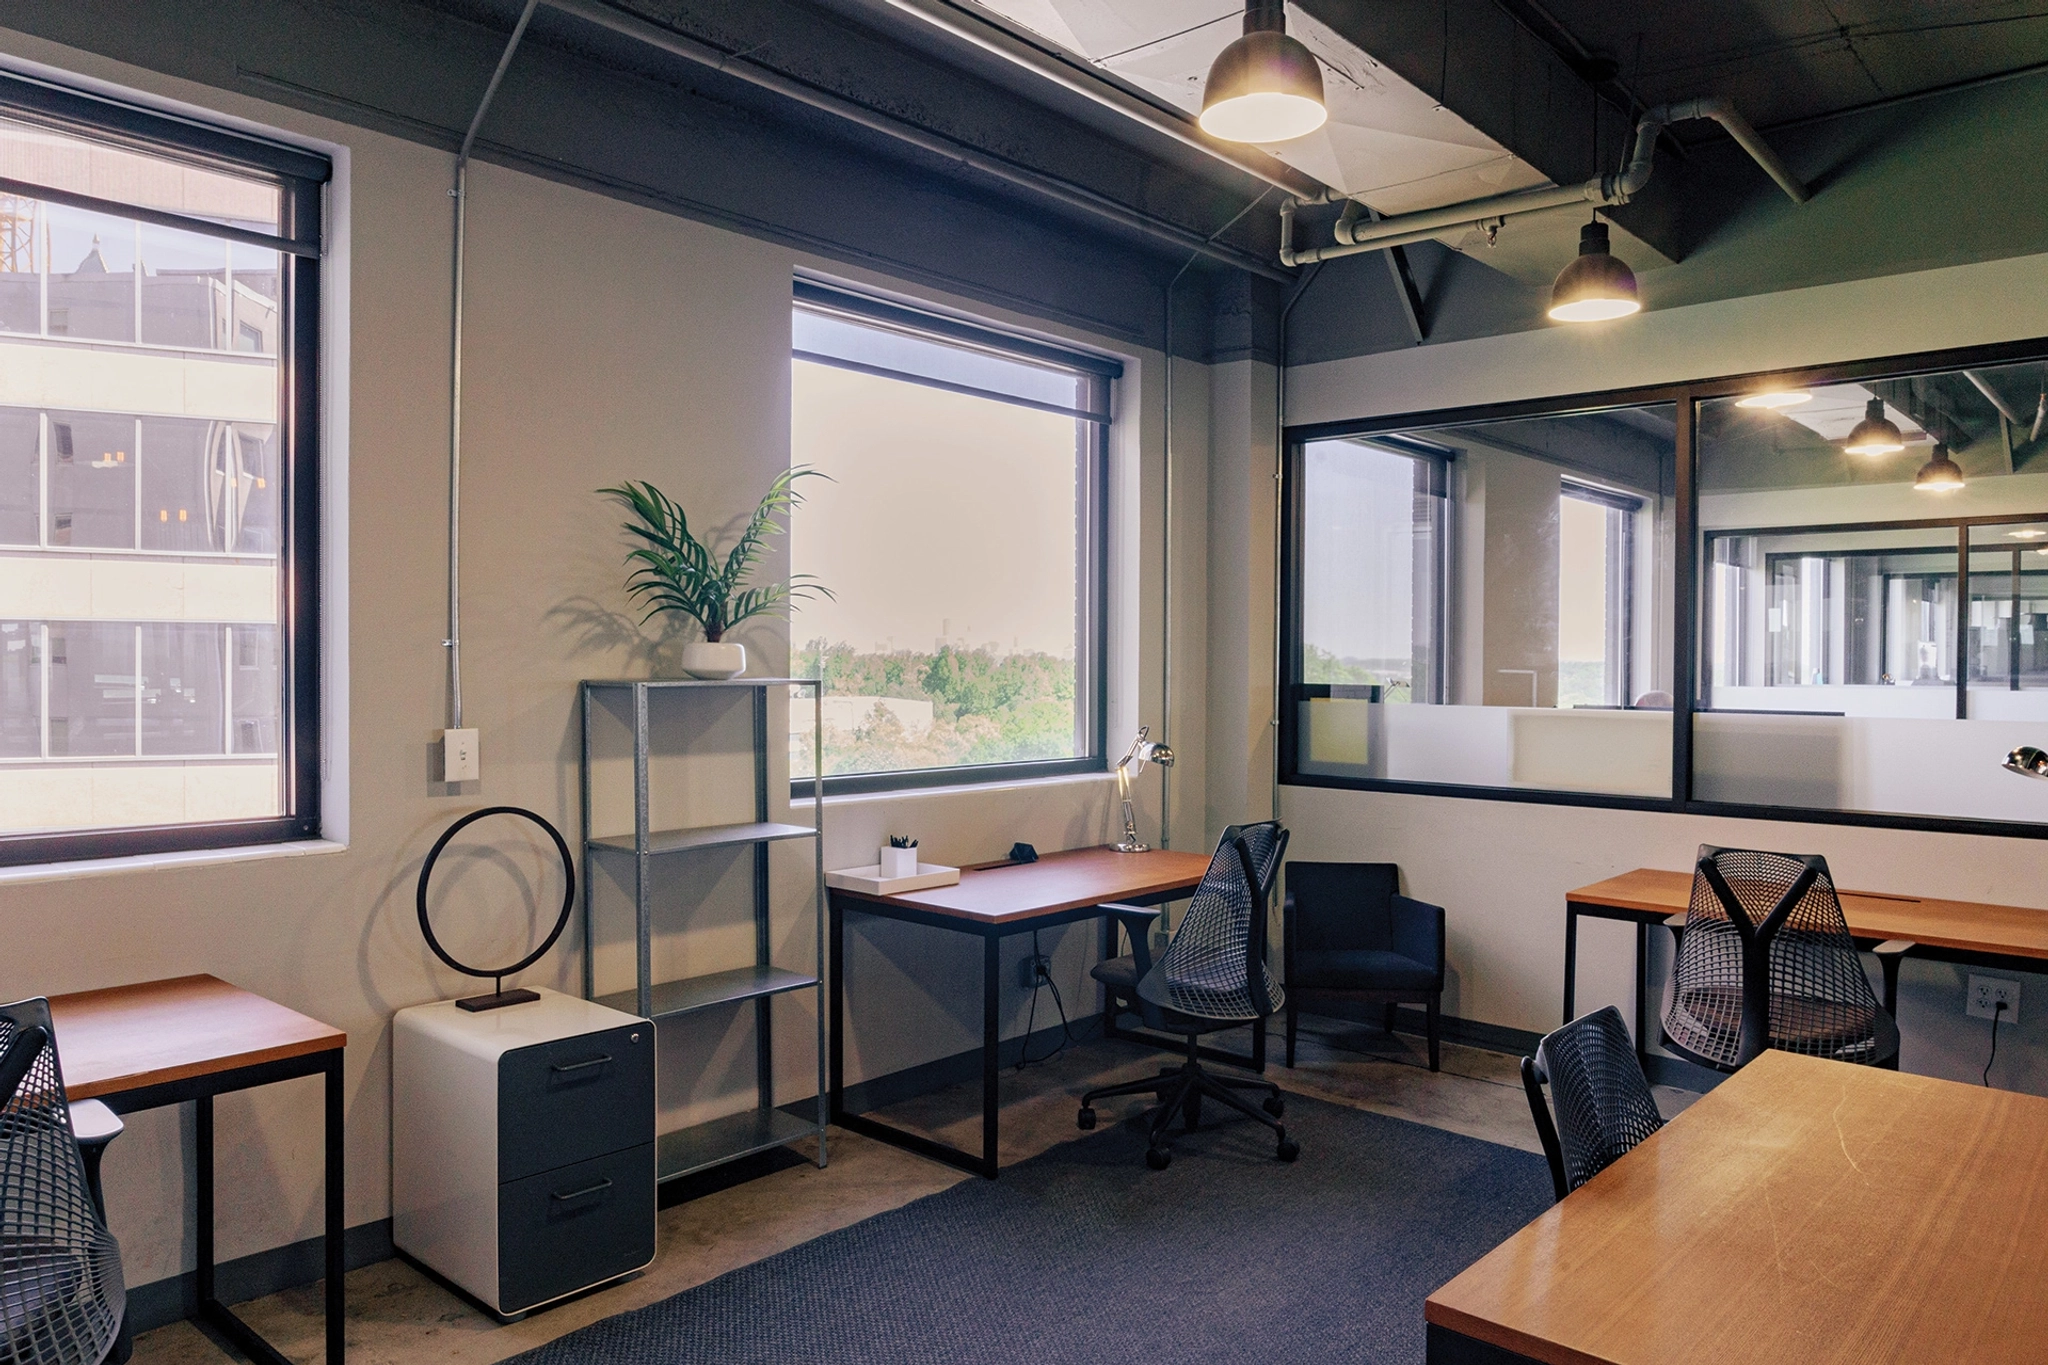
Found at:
[1487, 605]
[1873, 631]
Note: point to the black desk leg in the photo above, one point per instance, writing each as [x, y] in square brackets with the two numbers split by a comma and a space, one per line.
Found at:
[1571, 959]
[835, 976]
[337, 1231]
[211, 1308]
[1642, 994]
[991, 1061]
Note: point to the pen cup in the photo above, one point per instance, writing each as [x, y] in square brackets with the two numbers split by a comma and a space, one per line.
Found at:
[898, 862]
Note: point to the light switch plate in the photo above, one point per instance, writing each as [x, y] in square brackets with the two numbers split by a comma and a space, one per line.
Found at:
[460, 760]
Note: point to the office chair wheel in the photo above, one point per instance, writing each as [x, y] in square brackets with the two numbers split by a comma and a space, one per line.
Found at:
[1085, 1119]
[1275, 1106]
[1157, 1158]
[1288, 1148]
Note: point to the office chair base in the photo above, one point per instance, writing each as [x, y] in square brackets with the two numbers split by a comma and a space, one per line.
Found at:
[1180, 1091]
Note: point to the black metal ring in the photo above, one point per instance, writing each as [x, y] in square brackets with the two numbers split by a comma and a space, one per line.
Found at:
[568, 892]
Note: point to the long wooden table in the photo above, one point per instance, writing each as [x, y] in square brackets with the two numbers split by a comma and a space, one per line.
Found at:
[992, 903]
[2001, 937]
[1805, 1210]
[192, 1038]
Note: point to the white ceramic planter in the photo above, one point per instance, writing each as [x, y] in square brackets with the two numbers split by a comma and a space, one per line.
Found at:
[725, 659]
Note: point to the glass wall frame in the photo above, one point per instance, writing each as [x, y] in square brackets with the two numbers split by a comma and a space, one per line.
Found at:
[1688, 599]
[260, 297]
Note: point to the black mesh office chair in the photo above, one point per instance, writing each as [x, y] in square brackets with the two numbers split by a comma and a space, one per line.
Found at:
[1212, 976]
[1603, 1100]
[62, 1300]
[1766, 961]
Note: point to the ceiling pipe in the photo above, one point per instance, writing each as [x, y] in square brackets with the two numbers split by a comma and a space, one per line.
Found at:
[1356, 235]
[629, 25]
[2004, 408]
[1091, 84]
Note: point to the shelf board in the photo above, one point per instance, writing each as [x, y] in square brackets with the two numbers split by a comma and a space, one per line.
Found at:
[706, 836]
[608, 683]
[689, 1150]
[692, 993]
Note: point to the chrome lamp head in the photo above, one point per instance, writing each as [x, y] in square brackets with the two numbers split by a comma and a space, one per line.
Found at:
[1144, 749]
[2028, 761]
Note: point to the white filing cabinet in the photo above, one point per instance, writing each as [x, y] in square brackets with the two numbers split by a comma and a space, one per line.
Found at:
[523, 1146]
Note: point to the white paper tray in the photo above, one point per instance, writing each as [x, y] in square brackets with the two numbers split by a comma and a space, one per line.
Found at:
[869, 879]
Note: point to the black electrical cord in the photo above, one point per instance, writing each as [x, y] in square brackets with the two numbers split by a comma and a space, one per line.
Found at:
[1024, 1058]
[1997, 1013]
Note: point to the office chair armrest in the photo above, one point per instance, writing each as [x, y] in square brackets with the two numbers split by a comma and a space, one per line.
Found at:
[1137, 923]
[1419, 932]
[93, 1124]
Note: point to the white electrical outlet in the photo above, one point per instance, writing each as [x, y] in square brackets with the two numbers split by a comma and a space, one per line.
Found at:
[1987, 991]
[460, 759]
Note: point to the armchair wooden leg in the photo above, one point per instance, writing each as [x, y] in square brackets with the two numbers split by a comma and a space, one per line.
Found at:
[1293, 1018]
[1435, 1004]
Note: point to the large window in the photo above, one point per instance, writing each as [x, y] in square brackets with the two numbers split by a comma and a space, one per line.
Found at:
[1855, 631]
[158, 288]
[1471, 607]
[961, 534]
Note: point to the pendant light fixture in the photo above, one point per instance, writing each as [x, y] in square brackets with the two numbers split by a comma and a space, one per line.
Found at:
[1596, 286]
[1266, 86]
[1876, 434]
[1940, 474]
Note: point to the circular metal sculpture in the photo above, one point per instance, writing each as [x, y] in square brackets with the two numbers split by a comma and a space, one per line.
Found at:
[499, 996]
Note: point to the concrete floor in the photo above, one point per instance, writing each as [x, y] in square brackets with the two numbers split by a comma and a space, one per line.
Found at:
[399, 1316]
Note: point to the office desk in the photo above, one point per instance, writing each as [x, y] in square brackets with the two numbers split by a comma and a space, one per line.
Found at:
[2002, 937]
[993, 903]
[1806, 1211]
[192, 1038]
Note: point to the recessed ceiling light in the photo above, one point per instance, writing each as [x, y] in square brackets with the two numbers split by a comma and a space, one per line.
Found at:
[2030, 533]
[1775, 398]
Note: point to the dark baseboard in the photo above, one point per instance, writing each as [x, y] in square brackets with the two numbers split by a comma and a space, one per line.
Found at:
[1681, 1074]
[251, 1277]
[1413, 1019]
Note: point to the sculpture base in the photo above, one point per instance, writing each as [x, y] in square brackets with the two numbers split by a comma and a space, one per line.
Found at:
[1132, 846]
[475, 1004]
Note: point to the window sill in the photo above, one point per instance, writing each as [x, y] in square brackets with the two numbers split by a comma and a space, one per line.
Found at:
[1001, 784]
[151, 862]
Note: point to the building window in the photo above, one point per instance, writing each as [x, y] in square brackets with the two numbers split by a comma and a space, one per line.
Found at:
[158, 345]
[961, 533]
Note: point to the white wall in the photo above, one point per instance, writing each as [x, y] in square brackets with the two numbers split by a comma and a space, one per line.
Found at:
[605, 341]
[1501, 870]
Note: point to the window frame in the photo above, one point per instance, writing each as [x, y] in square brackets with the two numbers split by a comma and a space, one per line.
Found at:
[1685, 602]
[1091, 685]
[1622, 510]
[300, 177]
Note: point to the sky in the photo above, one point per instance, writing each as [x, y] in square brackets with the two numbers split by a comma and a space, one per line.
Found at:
[923, 534]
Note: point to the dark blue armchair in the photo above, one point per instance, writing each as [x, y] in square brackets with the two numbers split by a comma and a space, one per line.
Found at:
[1353, 939]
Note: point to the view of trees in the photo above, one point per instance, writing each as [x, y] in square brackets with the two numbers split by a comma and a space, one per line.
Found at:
[986, 708]
[1319, 665]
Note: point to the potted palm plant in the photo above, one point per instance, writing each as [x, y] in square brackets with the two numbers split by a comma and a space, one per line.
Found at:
[676, 573]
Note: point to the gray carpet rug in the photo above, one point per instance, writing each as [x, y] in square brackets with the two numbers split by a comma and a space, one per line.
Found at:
[1084, 1255]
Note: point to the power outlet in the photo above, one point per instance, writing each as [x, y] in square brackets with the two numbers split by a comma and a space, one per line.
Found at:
[1987, 991]
[460, 759]
[1034, 969]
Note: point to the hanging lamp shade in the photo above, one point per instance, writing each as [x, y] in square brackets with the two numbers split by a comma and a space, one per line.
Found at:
[1266, 86]
[1939, 475]
[1596, 286]
[1876, 434]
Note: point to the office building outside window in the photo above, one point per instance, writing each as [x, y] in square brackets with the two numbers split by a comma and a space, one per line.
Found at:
[157, 291]
[961, 533]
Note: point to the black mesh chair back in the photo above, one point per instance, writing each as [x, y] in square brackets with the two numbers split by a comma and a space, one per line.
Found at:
[1215, 966]
[1766, 961]
[1603, 1100]
[61, 1293]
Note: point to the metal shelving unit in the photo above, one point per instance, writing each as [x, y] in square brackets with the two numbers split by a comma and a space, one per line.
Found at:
[688, 1150]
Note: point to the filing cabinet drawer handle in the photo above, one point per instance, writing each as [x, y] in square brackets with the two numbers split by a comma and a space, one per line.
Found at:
[566, 1067]
[599, 1188]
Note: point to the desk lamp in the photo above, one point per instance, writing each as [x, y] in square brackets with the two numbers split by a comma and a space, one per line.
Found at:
[1143, 750]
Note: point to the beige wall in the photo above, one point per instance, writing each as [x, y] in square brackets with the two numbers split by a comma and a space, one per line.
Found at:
[605, 341]
[1501, 869]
